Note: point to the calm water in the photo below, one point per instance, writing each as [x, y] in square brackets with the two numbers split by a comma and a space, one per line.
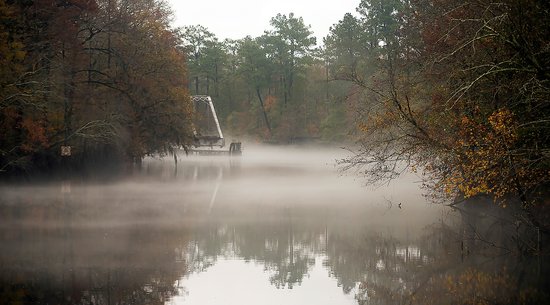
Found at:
[277, 226]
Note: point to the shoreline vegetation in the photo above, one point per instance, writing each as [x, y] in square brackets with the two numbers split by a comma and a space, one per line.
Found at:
[105, 78]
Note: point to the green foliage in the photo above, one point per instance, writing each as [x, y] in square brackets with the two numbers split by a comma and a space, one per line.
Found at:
[334, 125]
[275, 84]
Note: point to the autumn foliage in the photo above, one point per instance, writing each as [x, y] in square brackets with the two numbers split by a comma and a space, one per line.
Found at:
[106, 77]
[457, 90]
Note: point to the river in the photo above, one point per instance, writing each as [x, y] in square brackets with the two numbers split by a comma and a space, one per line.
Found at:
[279, 225]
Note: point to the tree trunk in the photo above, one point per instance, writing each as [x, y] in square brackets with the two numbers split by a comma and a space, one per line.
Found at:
[196, 85]
[207, 84]
[263, 111]
[216, 80]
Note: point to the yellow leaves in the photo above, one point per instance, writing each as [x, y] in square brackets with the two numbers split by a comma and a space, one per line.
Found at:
[482, 157]
[483, 161]
[502, 123]
[501, 119]
[363, 127]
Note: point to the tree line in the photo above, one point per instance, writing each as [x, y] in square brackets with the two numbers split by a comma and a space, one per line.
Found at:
[105, 77]
[458, 90]
[272, 88]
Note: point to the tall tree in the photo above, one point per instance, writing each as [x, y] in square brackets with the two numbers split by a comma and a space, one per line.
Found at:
[257, 69]
[196, 40]
[290, 45]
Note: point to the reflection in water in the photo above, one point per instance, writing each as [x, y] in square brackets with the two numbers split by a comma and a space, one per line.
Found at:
[278, 226]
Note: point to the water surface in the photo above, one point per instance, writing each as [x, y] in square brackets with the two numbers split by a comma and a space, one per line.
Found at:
[280, 225]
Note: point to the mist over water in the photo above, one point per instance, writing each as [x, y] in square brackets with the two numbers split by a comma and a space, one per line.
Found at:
[279, 225]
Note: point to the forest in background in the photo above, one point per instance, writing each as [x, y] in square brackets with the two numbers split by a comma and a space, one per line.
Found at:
[458, 90]
[275, 88]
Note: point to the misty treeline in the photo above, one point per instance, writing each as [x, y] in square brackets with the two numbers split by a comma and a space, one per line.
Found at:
[274, 88]
[456, 89]
[105, 77]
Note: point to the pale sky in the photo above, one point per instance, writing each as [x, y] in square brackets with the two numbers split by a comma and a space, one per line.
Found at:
[237, 18]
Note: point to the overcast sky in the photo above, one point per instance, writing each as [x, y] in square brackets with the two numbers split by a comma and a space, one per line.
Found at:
[237, 18]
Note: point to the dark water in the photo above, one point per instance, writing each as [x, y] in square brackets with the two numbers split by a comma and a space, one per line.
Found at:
[277, 226]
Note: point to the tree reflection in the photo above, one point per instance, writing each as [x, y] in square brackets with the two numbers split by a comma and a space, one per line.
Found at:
[50, 257]
[451, 260]
[286, 252]
[467, 259]
[57, 250]
[134, 275]
[289, 257]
